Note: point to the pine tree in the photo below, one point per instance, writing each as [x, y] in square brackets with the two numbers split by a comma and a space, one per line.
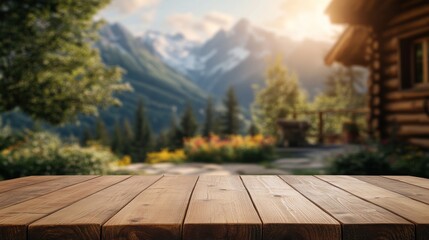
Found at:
[86, 136]
[174, 134]
[117, 139]
[101, 132]
[253, 129]
[143, 134]
[230, 119]
[127, 138]
[189, 125]
[281, 96]
[209, 122]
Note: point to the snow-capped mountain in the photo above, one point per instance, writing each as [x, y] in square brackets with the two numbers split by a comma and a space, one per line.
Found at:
[173, 49]
[238, 57]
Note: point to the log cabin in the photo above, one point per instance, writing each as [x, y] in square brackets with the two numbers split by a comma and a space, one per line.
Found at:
[391, 39]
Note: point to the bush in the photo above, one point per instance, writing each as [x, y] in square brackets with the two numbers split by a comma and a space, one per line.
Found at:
[176, 156]
[248, 149]
[43, 153]
[383, 159]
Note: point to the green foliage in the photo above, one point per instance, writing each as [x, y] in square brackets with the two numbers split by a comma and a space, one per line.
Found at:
[48, 67]
[281, 97]
[189, 124]
[209, 122]
[383, 159]
[233, 149]
[143, 134]
[101, 133]
[42, 153]
[342, 93]
[128, 137]
[230, 119]
[253, 129]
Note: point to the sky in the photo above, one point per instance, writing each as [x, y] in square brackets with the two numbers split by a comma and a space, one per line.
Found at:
[200, 19]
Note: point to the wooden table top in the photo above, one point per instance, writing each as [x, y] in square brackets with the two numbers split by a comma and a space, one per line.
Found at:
[214, 207]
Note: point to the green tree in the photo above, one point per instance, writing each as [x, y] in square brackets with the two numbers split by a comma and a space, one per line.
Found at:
[253, 129]
[86, 136]
[280, 97]
[209, 122]
[101, 133]
[48, 67]
[345, 89]
[230, 119]
[188, 123]
[117, 139]
[174, 133]
[143, 133]
[127, 138]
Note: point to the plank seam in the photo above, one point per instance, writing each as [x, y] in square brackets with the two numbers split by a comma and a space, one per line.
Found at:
[395, 191]
[254, 206]
[31, 184]
[182, 227]
[102, 224]
[27, 235]
[317, 205]
[414, 223]
[15, 203]
[404, 181]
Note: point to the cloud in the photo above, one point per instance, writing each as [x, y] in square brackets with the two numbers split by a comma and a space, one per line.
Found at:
[305, 19]
[199, 28]
[129, 6]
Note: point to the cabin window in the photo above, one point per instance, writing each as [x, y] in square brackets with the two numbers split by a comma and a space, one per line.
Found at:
[415, 63]
[420, 60]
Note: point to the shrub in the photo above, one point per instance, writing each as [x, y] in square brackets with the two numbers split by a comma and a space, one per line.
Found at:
[165, 155]
[231, 149]
[43, 153]
[383, 159]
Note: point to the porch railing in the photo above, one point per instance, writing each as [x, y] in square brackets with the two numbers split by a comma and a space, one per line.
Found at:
[321, 116]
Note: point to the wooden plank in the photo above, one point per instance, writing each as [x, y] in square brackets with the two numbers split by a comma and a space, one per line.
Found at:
[220, 208]
[408, 208]
[156, 213]
[15, 219]
[26, 193]
[286, 214]
[360, 219]
[12, 184]
[83, 219]
[413, 130]
[421, 182]
[421, 142]
[411, 191]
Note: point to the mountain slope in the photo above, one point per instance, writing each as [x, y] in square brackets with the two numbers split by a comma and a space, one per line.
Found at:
[162, 88]
[239, 56]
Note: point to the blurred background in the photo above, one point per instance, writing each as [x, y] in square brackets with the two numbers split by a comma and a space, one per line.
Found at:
[161, 87]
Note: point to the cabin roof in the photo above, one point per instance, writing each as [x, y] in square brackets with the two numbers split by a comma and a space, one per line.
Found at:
[361, 12]
[361, 16]
[350, 47]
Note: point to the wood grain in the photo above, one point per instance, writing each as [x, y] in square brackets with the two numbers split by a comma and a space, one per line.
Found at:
[156, 213]
[360, 219]
[220, 208]
[408, 208]
[83, 219]
[36, 190]
[286, 214]
[15, 219]
[421, 182]
[411, 191]
[12, 184]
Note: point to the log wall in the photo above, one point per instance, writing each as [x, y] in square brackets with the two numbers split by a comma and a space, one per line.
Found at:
[396, 110]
